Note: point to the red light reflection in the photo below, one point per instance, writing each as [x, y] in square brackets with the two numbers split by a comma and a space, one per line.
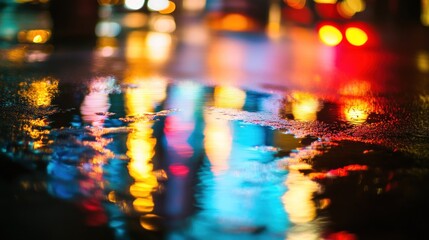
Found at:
[179, 170]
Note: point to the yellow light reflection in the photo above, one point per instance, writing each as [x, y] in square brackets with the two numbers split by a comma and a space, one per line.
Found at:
[39, 93]
[423, 61]
[344, 10]
[274, 20]
[304, 106]
[297, 200]
[330, 35]
[425, 13]
[217, 142]
[141, 143]
[36, 130]
[111, 196]
[229, 97]
[356, 111]
[143, 204]
[356, 36]
[134, 46]
[150, 92]
[149, 222]
[356, 5]
[34, 36]
[16, 55]
[34, 126]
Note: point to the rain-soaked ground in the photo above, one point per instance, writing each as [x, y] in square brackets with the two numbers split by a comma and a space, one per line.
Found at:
[214, 136]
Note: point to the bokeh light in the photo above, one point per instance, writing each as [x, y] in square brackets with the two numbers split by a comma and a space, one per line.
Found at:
[163, 24]
[40, 93]
[134, 4]
[423, 61]
[424, 17]
[34, 36]
[169, 9]
[158, 5]
[297, 4]
[356, 110]
[355, 5]
[235, 22]
[330, 35]
[134, 20]
[325, 1]
[194, 5]
[305, 106]
[107, 29]
[229, 97]
[356, 36]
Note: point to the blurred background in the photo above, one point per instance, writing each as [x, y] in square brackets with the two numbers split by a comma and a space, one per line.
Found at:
[219, 40]
[103, 21]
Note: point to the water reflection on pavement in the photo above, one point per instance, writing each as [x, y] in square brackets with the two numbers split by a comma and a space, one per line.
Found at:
[218, 136]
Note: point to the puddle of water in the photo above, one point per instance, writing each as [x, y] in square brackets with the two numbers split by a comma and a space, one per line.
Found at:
[180, 160]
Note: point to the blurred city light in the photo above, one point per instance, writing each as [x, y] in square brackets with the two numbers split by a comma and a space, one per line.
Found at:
[355, 5]
[158, 5]
[108, 2]
[149, 221]
[297, 4]
[163, 23]
[274, 20]
[158, 46]
[107, 29]
[344, 10]
[107, 46]
[423, 61]
[34, 36]
[330, 35]
[325, 1]
[235, 22]
[134, 4]
[194, 5]
[134, 20]
[356, 36]
[425, 13]
[169, 9]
